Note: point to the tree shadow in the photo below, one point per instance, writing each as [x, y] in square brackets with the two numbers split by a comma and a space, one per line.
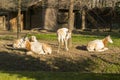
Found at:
[47, 66]
[113, 34]
[17, 62]
[105, 60]
[12, 63]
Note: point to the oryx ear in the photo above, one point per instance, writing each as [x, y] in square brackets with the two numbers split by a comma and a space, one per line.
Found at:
[26, 38]
[108, 36]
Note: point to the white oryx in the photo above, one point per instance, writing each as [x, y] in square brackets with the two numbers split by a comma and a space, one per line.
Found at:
[33, 45]
[46, 48]
[63, 35]
[99, 45]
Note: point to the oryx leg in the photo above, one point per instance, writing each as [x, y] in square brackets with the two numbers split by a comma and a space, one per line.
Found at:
[101, 50]
[66, 44]
[58, 45]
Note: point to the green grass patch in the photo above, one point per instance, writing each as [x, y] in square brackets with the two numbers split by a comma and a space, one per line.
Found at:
[80, 38]
[103, 66]
[16, 67]
[56, 76]
[50, 37]
[6, 37]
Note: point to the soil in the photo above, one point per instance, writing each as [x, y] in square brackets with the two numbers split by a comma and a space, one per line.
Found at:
[76, 59]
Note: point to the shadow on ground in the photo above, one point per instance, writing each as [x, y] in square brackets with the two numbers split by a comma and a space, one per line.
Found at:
[11, 63]
[57, 67]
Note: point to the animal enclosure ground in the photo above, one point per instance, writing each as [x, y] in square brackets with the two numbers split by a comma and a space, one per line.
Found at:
[77, 59]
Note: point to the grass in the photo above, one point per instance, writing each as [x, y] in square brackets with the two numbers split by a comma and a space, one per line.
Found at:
[7, 37]
[106, 66]
[26, 68]
[82, 39]
[56, 76]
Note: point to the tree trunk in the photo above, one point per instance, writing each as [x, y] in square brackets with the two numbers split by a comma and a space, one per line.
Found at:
[70, 21]
[4, 22]
[83, 19]
[19, 19]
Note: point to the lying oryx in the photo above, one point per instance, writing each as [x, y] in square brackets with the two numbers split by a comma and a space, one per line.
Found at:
[33, 45]
[19, 43]
[99, 45]
[63, 35]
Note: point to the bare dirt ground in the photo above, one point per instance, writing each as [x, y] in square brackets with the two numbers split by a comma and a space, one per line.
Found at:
[76, 59]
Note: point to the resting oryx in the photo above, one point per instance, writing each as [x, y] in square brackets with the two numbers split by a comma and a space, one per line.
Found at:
[99, 45]
[46, 48]
[63, 35]
[32, 45]
[19, 43]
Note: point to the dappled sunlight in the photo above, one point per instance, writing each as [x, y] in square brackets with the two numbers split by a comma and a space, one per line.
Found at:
[77, 61]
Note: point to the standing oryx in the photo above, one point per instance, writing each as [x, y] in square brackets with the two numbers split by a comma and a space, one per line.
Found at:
[63, 35]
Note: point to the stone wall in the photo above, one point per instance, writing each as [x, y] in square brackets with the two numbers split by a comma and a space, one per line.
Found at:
[50, 18]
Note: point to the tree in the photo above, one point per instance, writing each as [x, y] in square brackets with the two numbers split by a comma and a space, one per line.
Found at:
[21, 4]
[70, 21]
[16, 5]
[83, 19]
[19, 18]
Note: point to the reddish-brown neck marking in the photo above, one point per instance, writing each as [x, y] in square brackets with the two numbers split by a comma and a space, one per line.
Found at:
[28, 45]
[105, 41]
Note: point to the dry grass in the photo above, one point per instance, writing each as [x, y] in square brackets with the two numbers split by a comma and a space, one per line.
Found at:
[77, 60]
